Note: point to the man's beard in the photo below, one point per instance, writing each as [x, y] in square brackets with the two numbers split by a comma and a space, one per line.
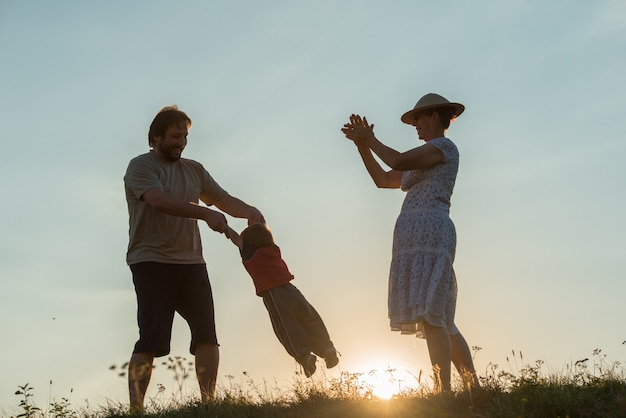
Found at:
[170, 154]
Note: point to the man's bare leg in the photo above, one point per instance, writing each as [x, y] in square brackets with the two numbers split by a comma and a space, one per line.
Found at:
[207, 361]
[139, 373]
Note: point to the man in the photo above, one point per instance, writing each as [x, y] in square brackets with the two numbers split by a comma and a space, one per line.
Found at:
[165, 252]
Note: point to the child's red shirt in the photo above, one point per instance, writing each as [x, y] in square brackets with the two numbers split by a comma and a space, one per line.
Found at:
[267, 269]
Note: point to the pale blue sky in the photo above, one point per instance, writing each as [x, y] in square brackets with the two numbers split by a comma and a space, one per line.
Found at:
[538, 205]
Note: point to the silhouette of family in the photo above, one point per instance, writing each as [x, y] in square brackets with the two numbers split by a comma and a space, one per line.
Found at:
[163, 194]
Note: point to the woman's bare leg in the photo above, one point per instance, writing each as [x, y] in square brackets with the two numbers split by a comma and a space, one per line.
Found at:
[462, 359]
[440, 351]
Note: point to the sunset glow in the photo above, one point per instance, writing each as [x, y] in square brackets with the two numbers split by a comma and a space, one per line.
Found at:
[538, 203]
[386, 383]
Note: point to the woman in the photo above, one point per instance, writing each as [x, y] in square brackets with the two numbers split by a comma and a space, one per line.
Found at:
[422, 284]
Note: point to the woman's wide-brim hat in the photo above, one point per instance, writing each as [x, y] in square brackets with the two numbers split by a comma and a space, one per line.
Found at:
[431, 101]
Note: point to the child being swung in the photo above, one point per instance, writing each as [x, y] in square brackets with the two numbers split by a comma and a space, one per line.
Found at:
[296, 323]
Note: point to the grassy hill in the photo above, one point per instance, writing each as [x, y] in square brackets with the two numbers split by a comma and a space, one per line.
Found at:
[587, 388]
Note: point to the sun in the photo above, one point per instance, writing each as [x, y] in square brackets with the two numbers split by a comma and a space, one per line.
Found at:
[384, 384]
[386, 380]
[385, 390]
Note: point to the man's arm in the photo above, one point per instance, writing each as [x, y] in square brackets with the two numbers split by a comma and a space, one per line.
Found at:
[239, 209]
[165, 202]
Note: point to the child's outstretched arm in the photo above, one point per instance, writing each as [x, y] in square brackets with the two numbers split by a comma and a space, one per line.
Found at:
[232, 235]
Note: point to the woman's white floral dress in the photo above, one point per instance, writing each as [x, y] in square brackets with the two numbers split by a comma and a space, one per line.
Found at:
[422, 284]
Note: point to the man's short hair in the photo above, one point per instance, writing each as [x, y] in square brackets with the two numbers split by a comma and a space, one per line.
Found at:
[168, 116]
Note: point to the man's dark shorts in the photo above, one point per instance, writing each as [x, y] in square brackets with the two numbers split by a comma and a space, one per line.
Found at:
[163, 289]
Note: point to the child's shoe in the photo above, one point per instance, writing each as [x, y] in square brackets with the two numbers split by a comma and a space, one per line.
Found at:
[307, 362]
[331, 358]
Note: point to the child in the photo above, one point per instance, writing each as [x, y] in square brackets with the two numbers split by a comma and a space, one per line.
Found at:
[296, 323]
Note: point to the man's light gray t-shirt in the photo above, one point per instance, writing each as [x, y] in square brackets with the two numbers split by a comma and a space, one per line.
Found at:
[156, 236]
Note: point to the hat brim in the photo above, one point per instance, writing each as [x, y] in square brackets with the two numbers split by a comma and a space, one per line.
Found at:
[409, 117]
